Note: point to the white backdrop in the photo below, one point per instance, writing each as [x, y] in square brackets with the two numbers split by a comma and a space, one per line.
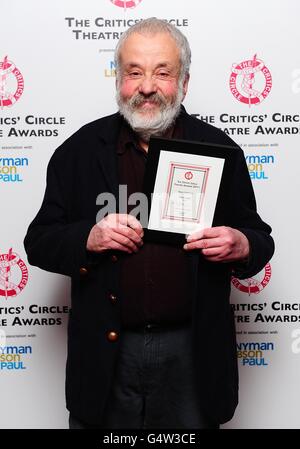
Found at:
[56, 74]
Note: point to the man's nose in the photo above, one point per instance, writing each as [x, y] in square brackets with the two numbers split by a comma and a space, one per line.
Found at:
[148, 86]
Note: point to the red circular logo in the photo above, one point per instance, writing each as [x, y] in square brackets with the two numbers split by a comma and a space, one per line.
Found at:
[11, 83]
[188, 175]
[13, 274]
[253, 285]
[250, 81]
[126, 4]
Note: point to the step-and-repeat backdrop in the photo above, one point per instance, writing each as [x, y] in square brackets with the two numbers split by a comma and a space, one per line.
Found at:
[56, 74]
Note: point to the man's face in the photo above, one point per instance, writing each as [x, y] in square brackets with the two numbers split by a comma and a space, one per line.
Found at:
[148, 82]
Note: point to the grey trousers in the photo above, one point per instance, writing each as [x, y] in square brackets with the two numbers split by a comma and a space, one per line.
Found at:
[154, 384]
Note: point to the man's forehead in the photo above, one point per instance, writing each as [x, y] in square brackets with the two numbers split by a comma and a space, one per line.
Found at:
[161, 46]
[136, 41]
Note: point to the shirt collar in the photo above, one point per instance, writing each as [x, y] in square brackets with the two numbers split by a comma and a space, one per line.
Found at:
[128, 137]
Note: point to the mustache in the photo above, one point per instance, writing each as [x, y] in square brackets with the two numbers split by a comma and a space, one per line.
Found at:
[139, 99]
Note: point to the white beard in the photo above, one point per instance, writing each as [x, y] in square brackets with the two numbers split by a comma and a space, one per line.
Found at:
[151, 124]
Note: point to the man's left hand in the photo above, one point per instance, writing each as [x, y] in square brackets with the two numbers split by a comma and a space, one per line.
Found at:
[219, 244]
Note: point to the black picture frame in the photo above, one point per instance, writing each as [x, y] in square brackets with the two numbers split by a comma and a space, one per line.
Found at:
[158, 144]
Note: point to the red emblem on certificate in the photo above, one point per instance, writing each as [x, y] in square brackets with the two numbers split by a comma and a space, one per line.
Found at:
[188, 175]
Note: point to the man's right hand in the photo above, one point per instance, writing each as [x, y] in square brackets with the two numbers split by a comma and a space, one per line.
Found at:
[119, 232]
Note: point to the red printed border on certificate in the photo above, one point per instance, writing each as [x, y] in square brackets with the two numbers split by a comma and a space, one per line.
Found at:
[173, 166]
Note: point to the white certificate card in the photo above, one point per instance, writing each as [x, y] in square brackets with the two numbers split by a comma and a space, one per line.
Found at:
[185, 192]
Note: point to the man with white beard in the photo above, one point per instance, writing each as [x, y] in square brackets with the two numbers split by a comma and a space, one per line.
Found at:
[151, 339]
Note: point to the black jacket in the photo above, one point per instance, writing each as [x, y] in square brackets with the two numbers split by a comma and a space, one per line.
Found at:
[81, 168]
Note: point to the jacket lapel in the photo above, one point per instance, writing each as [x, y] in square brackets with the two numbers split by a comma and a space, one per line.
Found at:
[107, 155]
[107, 159]
[191, 127]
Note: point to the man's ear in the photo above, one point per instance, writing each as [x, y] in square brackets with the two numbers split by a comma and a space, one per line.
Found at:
[185, 85]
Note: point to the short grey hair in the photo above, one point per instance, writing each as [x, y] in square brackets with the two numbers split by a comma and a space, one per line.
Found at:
[152, 26]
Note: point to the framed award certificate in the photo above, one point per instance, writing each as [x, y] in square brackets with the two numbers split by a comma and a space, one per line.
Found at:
[184, 181]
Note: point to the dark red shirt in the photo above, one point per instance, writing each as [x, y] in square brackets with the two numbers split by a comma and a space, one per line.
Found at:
[155, 282]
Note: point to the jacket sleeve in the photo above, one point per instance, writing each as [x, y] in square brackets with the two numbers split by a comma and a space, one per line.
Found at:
[244, 217]
[54, 242]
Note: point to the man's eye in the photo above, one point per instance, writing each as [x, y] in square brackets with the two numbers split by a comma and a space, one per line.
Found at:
[134, 74]
[163, 74]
